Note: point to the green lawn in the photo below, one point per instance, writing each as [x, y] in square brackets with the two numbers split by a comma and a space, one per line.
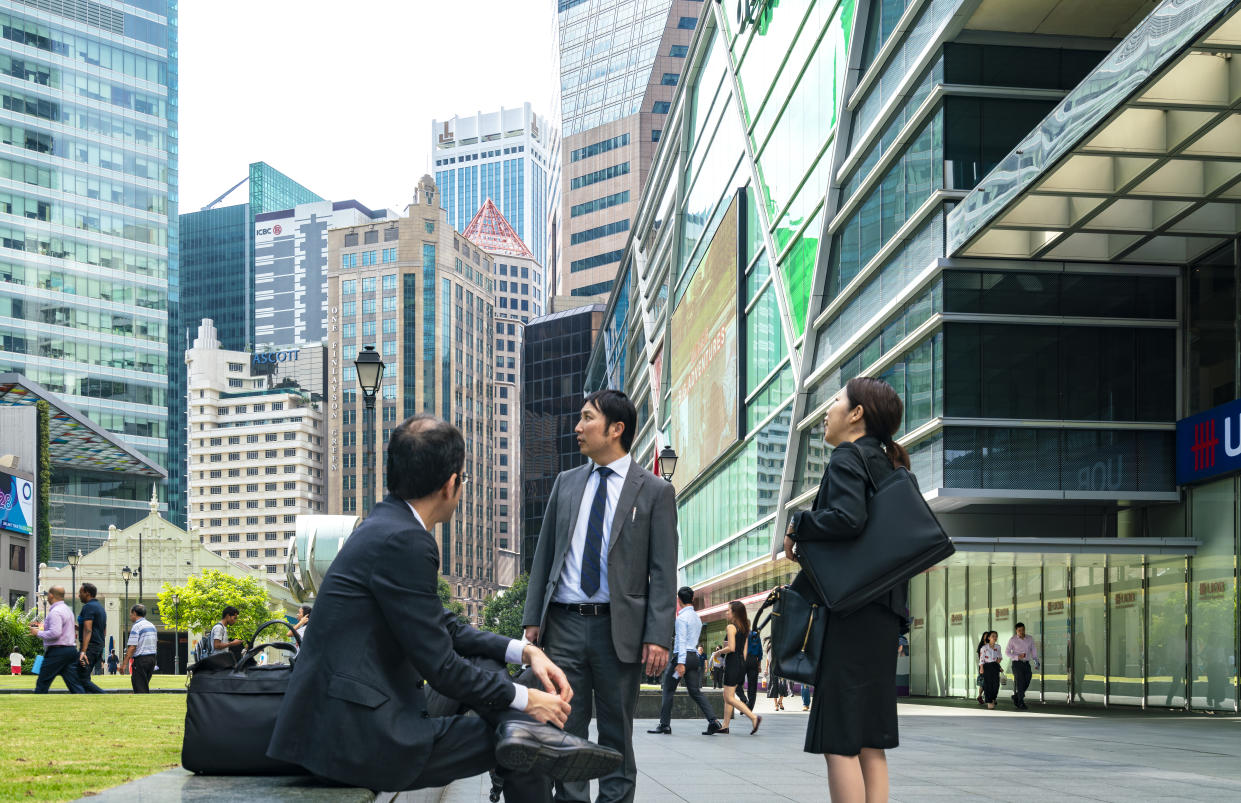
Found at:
[102, 681]
[62, 747]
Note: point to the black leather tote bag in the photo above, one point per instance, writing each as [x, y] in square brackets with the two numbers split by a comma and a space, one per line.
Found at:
[902, 538]
[231, 708]
[797, 627]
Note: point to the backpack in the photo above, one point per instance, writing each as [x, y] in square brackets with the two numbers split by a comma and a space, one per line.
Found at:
[755, 646]
[204, 646]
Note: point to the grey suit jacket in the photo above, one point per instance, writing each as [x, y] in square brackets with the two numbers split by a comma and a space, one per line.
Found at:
[642, 558]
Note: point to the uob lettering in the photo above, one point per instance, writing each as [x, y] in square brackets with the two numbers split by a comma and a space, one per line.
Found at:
[1105, 475]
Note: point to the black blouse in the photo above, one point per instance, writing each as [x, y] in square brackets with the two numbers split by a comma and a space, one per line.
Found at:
[839, 510]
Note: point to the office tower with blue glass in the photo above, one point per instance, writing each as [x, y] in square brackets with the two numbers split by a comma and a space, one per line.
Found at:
[504, 156]
[88, 205]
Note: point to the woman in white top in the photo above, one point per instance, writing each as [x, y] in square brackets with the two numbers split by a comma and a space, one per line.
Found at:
[989, 656]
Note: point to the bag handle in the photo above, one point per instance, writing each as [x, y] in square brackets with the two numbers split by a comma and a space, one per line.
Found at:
[770, 602]
[251, 650]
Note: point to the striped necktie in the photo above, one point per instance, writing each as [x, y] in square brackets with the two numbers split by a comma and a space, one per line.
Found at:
[592, 556]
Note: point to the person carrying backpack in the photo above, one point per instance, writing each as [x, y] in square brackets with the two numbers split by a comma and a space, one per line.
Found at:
[748, 691]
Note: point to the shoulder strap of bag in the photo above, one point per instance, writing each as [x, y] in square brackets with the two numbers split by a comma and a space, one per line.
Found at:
[770, 602]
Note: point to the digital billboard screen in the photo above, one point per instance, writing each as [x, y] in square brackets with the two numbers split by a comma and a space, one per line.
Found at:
[16, 504]
[704, 356]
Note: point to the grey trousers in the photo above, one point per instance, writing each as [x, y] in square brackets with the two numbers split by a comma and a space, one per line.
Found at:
[693, 685]
[602, 684]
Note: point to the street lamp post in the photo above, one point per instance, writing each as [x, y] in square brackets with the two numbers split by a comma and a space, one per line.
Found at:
[126, 574]
[370, 370]
[667, 462]
[176, 635]
[73, 558]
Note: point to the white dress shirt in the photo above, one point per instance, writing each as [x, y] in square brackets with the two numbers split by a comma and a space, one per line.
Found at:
[688, 629]
[512, 653]
[569, 589]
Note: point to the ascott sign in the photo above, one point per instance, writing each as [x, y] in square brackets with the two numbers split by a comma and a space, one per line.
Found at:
[1209, 444]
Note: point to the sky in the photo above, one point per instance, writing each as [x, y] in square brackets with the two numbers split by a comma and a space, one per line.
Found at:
[340, 96]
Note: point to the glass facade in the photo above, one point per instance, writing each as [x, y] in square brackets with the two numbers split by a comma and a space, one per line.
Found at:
[273, 191]
[88, 204]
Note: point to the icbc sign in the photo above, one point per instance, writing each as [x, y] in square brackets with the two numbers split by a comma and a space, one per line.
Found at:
[1209, 444]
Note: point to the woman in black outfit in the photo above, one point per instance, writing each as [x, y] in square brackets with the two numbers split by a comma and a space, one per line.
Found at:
[853, 716]
[737, 636]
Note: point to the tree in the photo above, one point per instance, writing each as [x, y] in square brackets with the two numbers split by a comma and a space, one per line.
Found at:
[502, 613]
[15, 633]
[43, 521]
[203, 599]
[446, 600]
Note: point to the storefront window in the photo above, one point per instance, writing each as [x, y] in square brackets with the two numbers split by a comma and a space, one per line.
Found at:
[1057, 630]
[1213, 595]
[1089, 644]
[980, 612]
[1166, 592]
[917, 636]
[1030, 613]
[1126, 643]
[936, 633]
[962, 665]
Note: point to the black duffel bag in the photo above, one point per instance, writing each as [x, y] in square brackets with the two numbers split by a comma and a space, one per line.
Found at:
[901, 539]
[797, 627]
[231, 708]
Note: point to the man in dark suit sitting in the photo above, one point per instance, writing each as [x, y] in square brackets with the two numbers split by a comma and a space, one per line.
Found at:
[355, 711]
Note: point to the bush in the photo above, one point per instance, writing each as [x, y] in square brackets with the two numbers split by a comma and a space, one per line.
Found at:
[15, 633]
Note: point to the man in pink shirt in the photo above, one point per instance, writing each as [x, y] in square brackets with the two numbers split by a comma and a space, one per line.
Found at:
[1021, 650]
[60, 653]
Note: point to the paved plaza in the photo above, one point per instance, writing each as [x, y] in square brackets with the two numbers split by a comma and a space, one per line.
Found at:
[951, 751]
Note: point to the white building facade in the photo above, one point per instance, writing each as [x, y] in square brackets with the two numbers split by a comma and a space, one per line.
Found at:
[255, 447]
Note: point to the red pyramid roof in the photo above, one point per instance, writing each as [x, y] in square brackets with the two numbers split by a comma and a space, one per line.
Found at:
[490, 231]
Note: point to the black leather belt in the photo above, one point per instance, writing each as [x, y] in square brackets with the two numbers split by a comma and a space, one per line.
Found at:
[585, 608]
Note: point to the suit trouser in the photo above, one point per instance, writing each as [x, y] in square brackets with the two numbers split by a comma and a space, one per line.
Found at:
[94, 656]
[144, 667]
[582, 647]
[693, 686]
[1021, 679]
[59, 661]
[465, 746]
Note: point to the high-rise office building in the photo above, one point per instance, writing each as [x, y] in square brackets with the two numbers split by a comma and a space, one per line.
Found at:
[423, 296]
[553, 377]
[1021, 217]
[503, 156]
[517, 278]
[256, 443]
[619, 67]
[88, 213]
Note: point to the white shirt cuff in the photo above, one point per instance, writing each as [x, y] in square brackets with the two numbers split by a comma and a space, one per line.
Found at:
[521, 697]
[512, 653]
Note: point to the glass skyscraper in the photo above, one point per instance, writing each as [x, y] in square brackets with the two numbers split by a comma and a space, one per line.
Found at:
[88, 208]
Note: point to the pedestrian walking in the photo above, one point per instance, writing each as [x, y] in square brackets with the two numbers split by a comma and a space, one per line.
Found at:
[113, 660]
[748, 691]
[59, 651]
[806, 690]
[853, 711]
[685, 664]
[140, 650]
[303, 620]
[978, 681]
[989, 656]
[777, 687]
[1021, 651]
[717, 668]
[737, 634]
[15, 662]
[92, 629]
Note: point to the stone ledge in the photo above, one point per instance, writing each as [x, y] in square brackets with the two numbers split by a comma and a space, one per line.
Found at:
[183, 785]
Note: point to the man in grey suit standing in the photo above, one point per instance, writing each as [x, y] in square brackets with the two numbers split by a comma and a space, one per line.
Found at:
[602, 593]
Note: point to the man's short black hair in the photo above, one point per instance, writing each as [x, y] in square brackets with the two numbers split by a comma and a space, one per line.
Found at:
[229, 610]
[616, 407]
[423, 453]
[686, 595]
[139, 609]
[1019, 624]
[90, 590]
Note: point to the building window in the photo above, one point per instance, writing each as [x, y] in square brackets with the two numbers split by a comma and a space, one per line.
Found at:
[669, 79]
[655, 134]
[596, 261]
[368, 283]
[596, 148]
[595, 177]
[687, 23]
[371, 236]
[348, 287]
[389, 304]
[368, 306]
[661, 107]
[678, 51]
[389, 280]
[616, 227]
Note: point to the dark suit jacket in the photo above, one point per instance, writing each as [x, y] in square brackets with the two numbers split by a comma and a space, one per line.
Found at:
[355, 710]
[642, 558]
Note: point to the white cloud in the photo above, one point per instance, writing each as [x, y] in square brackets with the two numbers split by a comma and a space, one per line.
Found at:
[340, 96]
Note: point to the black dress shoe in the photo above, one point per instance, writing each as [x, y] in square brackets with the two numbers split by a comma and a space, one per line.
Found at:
[547, 750]
[712, 728]
[661, 729]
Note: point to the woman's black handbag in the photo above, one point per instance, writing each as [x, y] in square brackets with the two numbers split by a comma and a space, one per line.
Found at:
[230, 711]
[902, 539]
[797, 629]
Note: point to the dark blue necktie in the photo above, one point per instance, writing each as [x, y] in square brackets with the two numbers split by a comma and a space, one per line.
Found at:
[592, 553]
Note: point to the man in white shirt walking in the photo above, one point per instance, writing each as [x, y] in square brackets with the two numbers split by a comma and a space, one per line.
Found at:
[1021, 650]
[685, 664]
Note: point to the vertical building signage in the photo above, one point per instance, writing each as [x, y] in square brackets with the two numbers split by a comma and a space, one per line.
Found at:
[1209, 444]
[333, 388]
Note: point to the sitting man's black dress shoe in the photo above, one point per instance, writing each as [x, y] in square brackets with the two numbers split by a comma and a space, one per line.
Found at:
[661, 729]
[547, 750]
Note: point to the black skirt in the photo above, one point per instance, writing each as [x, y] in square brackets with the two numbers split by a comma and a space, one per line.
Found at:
[734, 669]
[855, 690]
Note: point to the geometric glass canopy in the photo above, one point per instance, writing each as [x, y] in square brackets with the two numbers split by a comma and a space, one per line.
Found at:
[490, 231]
[1140, 163]
[74, 440]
